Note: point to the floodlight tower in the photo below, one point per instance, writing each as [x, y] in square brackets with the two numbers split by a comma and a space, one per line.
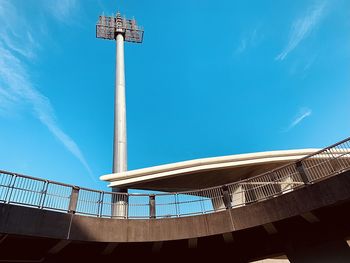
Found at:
[119, 29]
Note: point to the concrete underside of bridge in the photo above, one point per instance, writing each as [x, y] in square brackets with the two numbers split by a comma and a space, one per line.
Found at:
[310, 224]
[205, 172]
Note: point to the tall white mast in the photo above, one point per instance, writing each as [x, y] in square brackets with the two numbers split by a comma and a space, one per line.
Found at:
[119, 29]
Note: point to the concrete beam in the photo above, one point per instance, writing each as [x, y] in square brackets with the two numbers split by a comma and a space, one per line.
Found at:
[270, 228]
[272, 260]
[109, 249]
[60, 245]
[348, 241]
[192, 243]
[3, 237]
[228, 237]
[310, 217]
[157, 246]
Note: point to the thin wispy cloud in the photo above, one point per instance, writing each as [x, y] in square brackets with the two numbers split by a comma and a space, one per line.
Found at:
[62, 10]
[250, 39]
[242, 46]
[16, 87]
[302, 27]
[302, 115]
[13, 35]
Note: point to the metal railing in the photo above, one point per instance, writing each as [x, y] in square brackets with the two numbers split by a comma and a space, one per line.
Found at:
[44, 194]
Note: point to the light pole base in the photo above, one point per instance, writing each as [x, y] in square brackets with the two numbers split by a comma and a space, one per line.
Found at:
[120, 203]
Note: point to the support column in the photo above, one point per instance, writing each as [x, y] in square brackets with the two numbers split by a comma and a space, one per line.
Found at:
[119, 202]
[287, 184]
[221, 200]
[238, 196]
[73, 201]
[152, 206]
[218, 203]
[119, 147]
[234, 199]
[301, 170]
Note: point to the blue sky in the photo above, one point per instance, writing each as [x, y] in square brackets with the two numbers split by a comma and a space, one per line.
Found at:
[211, 78]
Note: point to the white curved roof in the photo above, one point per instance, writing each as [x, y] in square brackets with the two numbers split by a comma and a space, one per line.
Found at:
[205, 172]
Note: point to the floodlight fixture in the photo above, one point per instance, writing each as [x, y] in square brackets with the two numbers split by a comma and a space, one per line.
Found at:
[108, 27]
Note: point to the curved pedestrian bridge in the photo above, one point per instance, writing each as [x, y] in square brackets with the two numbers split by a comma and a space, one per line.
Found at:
[44, 194]
[303, 203]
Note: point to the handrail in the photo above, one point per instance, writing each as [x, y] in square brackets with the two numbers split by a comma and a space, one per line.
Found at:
[26, 190]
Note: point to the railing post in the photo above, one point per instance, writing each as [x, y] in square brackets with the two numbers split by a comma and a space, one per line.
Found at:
[152, 206]
[177, 205]
[73, 200]
[43, 194]
[301, 171]
[226, 197]
[100, 204]
[200, 193]
[10, 189]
